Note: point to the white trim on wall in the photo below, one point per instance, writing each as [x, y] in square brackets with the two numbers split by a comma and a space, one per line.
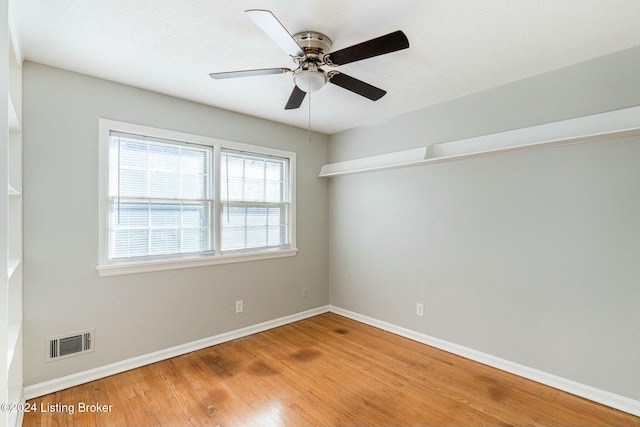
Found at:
[604, 397]
[151, 266]
[57, 384]
[597, 127]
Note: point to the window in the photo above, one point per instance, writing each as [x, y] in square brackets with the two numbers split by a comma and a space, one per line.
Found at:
[160, 198]
[173, 200]
[255, 208]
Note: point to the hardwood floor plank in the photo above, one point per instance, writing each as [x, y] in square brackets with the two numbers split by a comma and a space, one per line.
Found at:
[327, 370]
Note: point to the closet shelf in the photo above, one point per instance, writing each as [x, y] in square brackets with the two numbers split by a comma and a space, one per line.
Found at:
[13, 334]
[14, 192]
[12, 266]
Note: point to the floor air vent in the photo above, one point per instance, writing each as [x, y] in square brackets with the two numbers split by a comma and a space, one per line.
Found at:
[64, 346]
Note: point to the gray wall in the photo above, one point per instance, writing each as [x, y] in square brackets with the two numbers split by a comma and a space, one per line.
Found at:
[533, 257]
[142, 313]
[604, 84]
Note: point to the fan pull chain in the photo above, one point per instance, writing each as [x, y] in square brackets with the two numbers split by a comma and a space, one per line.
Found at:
[309, 116]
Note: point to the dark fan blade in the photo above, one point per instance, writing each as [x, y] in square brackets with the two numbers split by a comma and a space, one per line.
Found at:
[274, 29]
[357, 86]
[374, 47]
[296, 98]
[248, 73]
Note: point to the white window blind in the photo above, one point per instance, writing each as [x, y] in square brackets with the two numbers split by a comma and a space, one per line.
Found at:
[160, 197]
[256, 202]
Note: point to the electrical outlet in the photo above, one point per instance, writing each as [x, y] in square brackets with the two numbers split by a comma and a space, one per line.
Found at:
[420, 310]
[305, 293]
[239, 306]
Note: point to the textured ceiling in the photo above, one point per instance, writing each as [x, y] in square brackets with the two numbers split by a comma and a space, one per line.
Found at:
[457, 47]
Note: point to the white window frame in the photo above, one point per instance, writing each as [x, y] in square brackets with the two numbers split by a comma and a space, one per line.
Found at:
[107, 267]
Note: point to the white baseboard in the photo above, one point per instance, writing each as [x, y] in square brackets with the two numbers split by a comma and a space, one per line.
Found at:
[604, 397]
[613, 400]
[57, 384]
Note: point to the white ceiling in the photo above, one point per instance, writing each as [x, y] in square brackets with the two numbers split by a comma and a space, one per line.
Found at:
[457, 47]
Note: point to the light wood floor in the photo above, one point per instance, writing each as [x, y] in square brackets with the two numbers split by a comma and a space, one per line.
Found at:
[326, 370]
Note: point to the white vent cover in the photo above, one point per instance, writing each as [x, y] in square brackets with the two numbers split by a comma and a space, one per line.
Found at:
[63, 346]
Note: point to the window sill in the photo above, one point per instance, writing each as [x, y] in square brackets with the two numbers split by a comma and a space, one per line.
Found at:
[119, 269]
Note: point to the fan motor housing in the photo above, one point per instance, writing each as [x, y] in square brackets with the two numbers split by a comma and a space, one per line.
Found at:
[315, 45]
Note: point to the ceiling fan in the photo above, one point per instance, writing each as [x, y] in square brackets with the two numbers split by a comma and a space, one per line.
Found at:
[310, 50]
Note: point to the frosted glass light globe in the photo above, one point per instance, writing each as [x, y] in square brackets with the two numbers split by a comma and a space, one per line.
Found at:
[310, 80]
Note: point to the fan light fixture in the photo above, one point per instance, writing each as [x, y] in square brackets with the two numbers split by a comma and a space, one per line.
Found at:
[310, 80]
[311, 50]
